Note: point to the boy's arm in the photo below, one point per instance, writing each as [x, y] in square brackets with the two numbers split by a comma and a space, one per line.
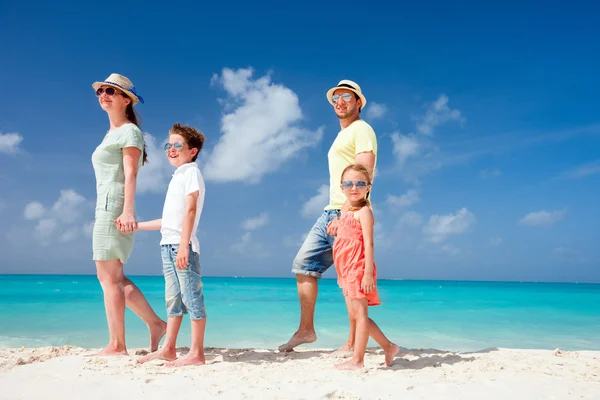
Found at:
[153, 225]
[189, 216]
[366, 221]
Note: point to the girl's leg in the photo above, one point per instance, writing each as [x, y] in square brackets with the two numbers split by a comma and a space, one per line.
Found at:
[390, 349]
[110, 275]
[136, 301]
[348, 347]
[361, 316]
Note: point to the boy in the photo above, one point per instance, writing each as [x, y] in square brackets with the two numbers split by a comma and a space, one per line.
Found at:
[180, 248]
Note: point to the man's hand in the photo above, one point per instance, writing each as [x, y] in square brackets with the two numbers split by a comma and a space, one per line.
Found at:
[332, 228]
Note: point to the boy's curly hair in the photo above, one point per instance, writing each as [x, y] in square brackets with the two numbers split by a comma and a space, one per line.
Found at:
[193, 137]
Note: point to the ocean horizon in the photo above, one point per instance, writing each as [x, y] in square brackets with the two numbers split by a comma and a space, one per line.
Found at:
[252, 312]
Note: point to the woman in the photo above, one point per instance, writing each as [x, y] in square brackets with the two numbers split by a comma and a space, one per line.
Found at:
[116, 162]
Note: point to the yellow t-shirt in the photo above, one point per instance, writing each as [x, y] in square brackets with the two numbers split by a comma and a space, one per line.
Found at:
[357, 138]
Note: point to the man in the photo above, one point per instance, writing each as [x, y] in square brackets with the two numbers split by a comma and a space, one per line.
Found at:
[356, 142]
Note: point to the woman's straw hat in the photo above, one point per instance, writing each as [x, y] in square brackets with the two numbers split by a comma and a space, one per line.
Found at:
[122, 83]
[349, 85]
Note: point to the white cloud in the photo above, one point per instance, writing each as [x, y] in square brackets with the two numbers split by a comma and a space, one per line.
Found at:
[294, 242]
[448, 248]
[248, 247]
[154, 176]
[410, 219]
[495, 241]
[584, 170]
[88, 229]
[437, 114]
[376, 110]
[542, 218]
[260, 128]
[406, 200]
[34, 210]
[405, 146]
[489, 173]
[315, 205]
[251, 224]
[9, 142]
[60, 222]
[440, 227]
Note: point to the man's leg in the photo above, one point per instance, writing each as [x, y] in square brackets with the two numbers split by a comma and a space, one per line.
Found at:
[314, 257]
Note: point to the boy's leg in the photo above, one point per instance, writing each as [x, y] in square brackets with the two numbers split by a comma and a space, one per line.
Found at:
[361, 315]
[190, 280]
[390, 349]
[175, 307]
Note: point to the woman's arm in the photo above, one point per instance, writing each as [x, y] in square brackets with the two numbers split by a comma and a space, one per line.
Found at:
[131, 157]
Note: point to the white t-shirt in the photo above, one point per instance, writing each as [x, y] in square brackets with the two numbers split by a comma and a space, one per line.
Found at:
[186, 179]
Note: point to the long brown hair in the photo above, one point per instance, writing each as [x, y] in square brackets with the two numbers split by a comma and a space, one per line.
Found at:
[363, 170]
[134, 118]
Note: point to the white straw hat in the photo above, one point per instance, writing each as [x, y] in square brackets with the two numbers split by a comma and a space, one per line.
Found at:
[350, 85]
[122, 83]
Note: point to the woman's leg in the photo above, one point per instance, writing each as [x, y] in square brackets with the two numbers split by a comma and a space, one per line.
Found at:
[136, 301]
[110, 275]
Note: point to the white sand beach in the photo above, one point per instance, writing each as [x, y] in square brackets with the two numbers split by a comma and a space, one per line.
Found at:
[71, 373]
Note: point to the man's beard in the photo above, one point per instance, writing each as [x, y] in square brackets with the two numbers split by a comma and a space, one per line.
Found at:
[347, 114]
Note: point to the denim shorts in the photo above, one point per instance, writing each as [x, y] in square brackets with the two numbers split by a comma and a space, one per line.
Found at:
[183, 287]
[316, 254]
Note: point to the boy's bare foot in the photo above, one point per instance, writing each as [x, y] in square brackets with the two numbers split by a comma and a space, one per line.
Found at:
[162, 354]
[297, 339]
[187, 360]
[156, 334]
[343, 352]
[112, 351]
[350, 365]
[390, 353]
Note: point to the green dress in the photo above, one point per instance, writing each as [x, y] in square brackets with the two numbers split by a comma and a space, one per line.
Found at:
[107, 241]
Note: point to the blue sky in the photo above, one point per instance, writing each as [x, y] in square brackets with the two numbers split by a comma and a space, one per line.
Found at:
[486, 116]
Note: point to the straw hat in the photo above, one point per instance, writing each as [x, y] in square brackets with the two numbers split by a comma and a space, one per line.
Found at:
[349, 85]
[122, 83]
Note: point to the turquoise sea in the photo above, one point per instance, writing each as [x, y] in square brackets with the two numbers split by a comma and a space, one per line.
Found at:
[45, 310]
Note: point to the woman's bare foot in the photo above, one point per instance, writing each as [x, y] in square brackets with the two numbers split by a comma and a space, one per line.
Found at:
[343, 352]
[156, 334]
[350, 365]
[297, 339]
[187, 360]
[390, 353]
[162, 354]
[112, 351]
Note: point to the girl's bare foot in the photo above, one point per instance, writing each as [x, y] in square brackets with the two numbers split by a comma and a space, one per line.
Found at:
[343, 352]
[350, 365]
[187, 360]
[162, 354]
[112, 351]
[390, 353]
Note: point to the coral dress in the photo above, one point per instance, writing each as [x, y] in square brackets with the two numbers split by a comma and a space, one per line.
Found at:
[349, 260]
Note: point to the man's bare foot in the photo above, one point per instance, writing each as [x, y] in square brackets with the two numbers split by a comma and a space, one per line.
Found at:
[112, 351]
[298, 339]
[156, 334]
[187, 360]
[343, 352]
[162, 354]
[350, 365]
[390, 353]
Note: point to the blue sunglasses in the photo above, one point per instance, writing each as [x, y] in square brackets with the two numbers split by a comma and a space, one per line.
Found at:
[360, 185]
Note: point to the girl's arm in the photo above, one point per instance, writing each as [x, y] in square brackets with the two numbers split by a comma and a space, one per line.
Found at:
[131, 157]
[153, 225]
[365, 217]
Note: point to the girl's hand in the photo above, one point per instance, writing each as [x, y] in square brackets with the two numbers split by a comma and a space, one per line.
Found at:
[126, 223]
[367, 284]
[183, 256]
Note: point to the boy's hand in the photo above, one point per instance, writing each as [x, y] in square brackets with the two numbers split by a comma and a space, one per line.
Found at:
[367, 284]
[183, 256]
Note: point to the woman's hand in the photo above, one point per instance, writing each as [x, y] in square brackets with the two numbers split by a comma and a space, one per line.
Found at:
[367, 284]
[126, 223]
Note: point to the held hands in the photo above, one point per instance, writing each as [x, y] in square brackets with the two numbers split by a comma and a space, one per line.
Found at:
[183, 256]
[126, 223]
[367, 284]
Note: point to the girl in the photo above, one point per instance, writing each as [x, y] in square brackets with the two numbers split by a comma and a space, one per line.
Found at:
[116, 162]
[353, 259]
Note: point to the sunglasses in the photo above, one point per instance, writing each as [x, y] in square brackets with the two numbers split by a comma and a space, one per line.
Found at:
[177, 145]
[347, 97]
[360, 185]
[110, 91]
